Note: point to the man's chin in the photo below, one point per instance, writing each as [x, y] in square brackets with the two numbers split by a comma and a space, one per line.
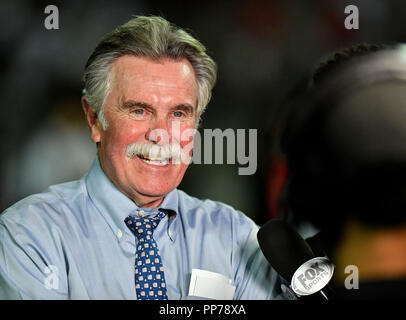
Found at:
[146, 198]
[153, 187]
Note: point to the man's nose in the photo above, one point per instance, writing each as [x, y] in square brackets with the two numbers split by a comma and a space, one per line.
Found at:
[158, 132]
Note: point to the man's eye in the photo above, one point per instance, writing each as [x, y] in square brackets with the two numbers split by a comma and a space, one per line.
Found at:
[139, 111]
[178, 114]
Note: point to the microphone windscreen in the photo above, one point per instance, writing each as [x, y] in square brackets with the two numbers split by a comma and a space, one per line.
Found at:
[283, 247]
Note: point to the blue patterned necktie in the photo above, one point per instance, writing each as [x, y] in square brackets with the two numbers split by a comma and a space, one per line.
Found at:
[149, 272]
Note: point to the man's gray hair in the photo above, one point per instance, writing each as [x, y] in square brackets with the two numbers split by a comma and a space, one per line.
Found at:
[150, 37]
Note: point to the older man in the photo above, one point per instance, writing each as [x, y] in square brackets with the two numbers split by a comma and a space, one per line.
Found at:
[124, 231]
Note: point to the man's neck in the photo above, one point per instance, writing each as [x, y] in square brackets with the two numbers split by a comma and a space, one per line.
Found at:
[379, 254]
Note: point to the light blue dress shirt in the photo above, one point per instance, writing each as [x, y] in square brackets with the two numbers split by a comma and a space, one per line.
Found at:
[71, 242]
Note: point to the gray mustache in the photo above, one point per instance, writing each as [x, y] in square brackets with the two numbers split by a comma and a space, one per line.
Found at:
[154, 151]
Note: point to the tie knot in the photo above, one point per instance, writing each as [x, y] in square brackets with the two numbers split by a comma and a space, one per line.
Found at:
[144, 227]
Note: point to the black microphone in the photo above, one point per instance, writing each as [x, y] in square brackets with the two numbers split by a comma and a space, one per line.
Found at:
[291, 256]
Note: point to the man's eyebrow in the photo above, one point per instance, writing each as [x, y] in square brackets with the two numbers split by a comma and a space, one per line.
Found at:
[132, 103]
[184, 107]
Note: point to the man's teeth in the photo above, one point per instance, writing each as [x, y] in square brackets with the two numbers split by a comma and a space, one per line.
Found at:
[156, 162]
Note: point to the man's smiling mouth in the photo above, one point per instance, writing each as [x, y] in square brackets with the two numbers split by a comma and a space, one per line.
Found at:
[155, 161]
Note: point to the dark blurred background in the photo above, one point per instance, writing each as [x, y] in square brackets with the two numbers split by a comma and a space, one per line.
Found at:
[264, 49]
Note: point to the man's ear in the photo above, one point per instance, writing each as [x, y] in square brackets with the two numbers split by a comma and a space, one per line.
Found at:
[92, 121]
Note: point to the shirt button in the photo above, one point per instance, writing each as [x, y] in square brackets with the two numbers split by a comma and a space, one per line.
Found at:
[170, 233]
[119, 234]
[141, 213]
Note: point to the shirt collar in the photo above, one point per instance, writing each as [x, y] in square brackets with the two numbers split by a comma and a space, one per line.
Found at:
[114, 205]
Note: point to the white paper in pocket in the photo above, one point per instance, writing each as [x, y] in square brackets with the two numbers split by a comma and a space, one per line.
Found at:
[211, 285]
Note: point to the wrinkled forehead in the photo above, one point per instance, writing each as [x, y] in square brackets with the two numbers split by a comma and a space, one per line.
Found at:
[166, 75]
